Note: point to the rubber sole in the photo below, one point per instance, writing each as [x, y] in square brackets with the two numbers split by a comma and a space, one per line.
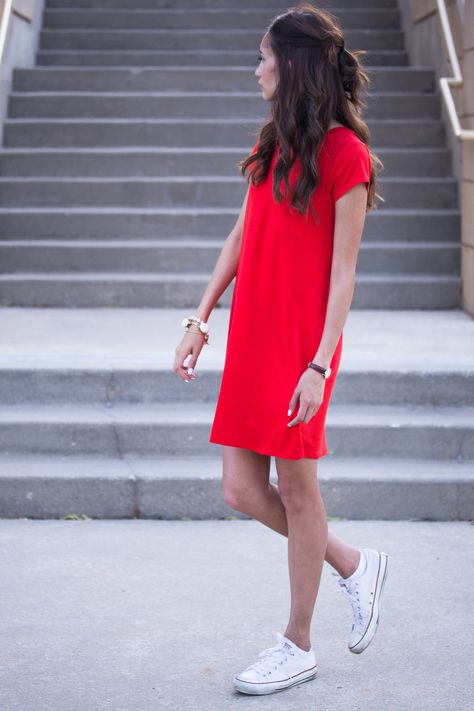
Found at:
[247, 688]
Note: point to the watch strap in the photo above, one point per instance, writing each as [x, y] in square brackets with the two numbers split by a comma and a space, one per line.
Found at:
[317, 367]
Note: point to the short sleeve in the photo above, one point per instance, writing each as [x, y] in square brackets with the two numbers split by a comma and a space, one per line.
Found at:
[352, 166]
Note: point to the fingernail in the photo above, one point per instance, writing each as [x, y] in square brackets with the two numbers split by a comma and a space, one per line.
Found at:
[289, 412]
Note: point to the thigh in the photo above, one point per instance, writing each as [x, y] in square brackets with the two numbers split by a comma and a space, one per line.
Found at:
[244, 471]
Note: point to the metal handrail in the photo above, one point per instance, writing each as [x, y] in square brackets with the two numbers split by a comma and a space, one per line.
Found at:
[4, 22]
[456, 81]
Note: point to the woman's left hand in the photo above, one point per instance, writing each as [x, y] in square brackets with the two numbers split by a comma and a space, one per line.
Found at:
[310, 391]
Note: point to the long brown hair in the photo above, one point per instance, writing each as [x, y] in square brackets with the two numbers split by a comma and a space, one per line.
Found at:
[318, 79]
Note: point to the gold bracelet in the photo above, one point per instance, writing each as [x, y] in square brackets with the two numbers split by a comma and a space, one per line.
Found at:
[199, 332]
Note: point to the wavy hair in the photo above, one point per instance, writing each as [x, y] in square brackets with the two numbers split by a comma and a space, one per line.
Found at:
[318, 79]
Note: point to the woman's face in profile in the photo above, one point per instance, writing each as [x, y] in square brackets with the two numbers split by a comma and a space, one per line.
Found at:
[266, 70]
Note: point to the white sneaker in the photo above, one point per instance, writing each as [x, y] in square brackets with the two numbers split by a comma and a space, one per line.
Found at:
[277, 668]
[364, 592]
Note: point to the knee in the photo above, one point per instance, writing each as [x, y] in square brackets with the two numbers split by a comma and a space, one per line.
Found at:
[292, 497]
[236, 497]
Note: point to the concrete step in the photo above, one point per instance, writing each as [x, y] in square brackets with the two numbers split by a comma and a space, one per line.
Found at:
[122, 289]
[202, 18]
[196, 78]
[154, 162]
[92, 339]
[137, 58]
[385, 225]
[178, 39]
[230, 132]
[198, 104]
[210, 4]
[51, 256]
[43, 487]
[188, 192]
[443, 433]
[54, 383]
[409, 258]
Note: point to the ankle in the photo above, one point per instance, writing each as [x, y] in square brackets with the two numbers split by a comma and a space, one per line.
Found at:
[351, 565]
[301, 641]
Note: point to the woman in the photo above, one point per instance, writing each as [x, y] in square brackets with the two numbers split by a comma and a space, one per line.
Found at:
[293, 251]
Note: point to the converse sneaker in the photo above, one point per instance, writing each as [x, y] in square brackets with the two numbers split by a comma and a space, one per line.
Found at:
[277, 668]
[364, 590]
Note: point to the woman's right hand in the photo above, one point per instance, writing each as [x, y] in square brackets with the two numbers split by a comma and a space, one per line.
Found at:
[191, 344]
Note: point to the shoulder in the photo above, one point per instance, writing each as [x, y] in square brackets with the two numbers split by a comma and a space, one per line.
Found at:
[340, 148]
[343, 142]
[347, 161]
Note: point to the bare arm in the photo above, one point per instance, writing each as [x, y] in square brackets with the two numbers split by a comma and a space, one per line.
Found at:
[225, 268]
[349, 223]
[224, 271]
[350, 218]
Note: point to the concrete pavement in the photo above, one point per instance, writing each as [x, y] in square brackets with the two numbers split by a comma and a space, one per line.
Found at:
[143, 615]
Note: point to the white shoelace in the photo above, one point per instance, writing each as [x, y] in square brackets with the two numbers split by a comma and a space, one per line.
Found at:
[352, 592]
[271, 658]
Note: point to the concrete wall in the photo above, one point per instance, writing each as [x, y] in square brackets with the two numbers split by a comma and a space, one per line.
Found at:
[468, 160]
[21, 45]
[426, 48]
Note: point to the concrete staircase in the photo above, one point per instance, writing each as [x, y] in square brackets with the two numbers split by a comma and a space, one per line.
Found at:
[121, 148]
[119, 183]
[93, 421]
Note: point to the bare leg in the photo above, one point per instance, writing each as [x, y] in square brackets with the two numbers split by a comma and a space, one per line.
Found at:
[247, 488]
[307, 542]
[341, 556]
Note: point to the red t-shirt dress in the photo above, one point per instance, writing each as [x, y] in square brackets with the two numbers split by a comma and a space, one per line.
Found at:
[279, 306]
